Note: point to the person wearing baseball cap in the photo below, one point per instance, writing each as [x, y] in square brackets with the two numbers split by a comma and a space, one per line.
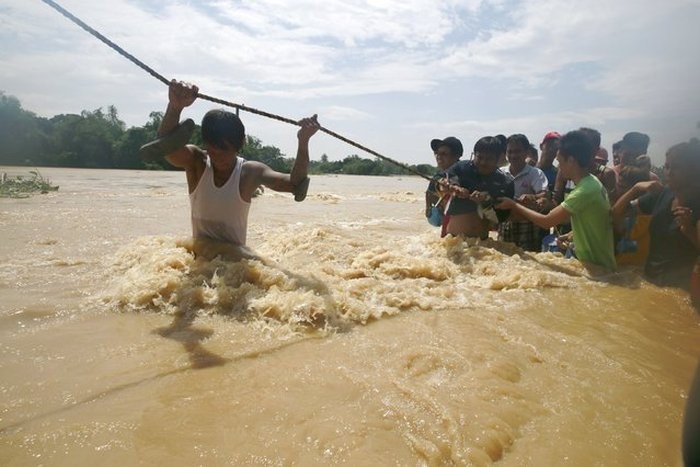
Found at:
[451, 144]
[550, 135]
[447, 152]
[548, 152]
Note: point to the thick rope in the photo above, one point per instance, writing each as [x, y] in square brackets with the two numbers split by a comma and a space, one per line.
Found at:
[245, 108]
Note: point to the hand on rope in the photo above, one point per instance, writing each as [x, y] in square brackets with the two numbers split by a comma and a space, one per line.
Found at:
[181, 94]
[309, 127]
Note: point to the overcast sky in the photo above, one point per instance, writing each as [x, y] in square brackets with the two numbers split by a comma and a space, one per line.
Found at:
[389, 74]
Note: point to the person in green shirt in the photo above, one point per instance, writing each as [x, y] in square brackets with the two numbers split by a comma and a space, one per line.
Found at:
[587, 207]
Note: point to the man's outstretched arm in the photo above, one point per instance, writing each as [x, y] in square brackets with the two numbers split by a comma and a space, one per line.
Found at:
[288, 182]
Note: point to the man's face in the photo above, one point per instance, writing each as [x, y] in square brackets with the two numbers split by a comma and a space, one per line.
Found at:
[549, 150]
[219, 154]
[444, 158]
[675, 175]
[617, 157]
[486, 163]
[564, 164]
[516, 155]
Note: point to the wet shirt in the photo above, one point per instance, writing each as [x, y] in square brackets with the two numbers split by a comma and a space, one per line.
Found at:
[497, 184]
[591, 223]
[669, 250]
[219, 213]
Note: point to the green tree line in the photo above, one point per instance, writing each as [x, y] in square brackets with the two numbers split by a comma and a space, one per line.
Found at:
[99, 139]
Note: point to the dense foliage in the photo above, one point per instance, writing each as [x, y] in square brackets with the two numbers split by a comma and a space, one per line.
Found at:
[98, 139]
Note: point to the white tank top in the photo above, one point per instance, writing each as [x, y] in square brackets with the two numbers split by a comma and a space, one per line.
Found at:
[219, 213]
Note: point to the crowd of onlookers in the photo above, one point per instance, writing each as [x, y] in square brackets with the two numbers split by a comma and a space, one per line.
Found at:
[567, 197]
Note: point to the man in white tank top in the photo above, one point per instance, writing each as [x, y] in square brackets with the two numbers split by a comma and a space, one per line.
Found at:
[221, 183]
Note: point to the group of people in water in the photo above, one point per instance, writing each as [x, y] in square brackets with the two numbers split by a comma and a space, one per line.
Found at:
[603, 216]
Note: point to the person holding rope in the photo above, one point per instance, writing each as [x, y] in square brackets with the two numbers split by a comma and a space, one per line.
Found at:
[221, 183]
[587, 206]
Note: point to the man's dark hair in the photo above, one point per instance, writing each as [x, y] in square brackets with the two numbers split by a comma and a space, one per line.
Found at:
[577, 144]
[593, 135]
[223, 129]
[490, 145]
[520, 139]
[617, 146]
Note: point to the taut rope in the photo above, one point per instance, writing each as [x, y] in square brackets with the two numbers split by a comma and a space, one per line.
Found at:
[245, 108]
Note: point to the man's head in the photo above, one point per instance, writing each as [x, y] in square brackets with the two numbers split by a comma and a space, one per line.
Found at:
[223, 130]
[617, 153]
[634, 144]
[575, 150]
[447, 151]
[517, 151]
[487, 152]
[601, 156]
[532, 155]
[548, 148]
[593, 136]
[683, 167]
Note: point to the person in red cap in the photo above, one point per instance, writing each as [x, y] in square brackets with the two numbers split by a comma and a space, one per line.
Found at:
[548, 152]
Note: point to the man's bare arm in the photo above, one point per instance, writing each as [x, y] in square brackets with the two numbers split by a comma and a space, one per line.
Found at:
[180, 95]
[309, 126]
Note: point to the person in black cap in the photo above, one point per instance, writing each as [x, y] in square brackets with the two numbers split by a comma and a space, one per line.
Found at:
[447, 152]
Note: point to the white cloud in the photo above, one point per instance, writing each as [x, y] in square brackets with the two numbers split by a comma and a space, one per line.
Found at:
[618, 65]
[336, 112]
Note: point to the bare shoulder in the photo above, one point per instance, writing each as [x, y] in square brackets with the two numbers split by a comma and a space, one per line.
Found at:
[253, 170]
[194, 165]
[188, 157]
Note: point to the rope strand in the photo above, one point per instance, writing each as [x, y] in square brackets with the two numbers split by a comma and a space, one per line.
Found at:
[245, 108]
